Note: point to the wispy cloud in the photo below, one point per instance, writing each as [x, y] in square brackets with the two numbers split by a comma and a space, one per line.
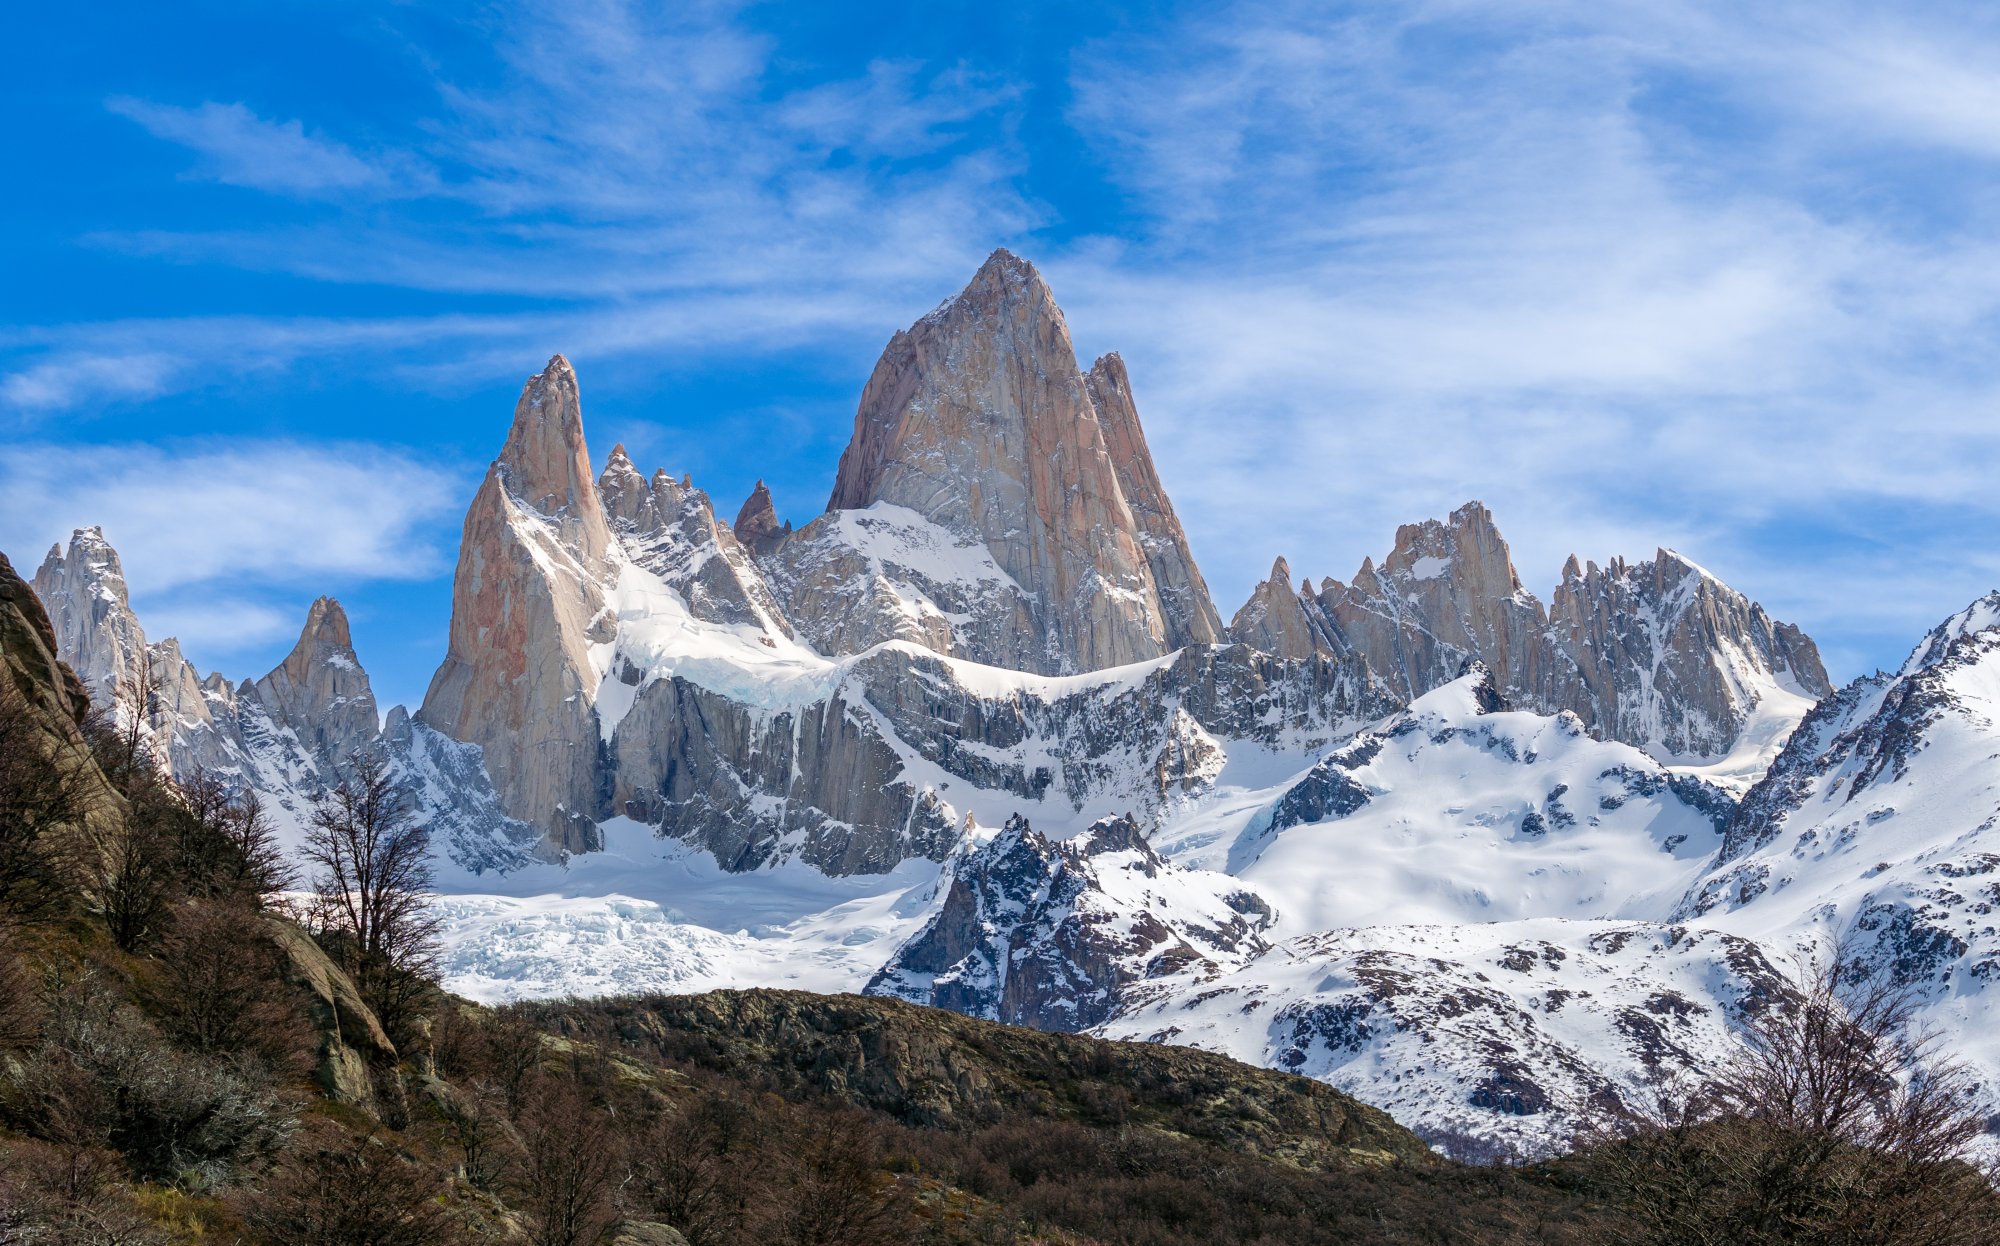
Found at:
[233, 512]
[1630, 273]
[78, 377]
[223, 541]
[1703, 274]
[240, 148]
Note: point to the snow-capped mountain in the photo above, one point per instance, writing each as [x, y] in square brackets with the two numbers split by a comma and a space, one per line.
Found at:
[1876, 828]
[1660, 654]
[1470, 856]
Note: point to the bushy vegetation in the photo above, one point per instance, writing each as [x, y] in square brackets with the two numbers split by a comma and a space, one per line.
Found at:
[183, 1060]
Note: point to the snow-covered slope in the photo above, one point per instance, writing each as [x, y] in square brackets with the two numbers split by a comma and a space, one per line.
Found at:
[1459, 810]
[1504, 1038]
[1878, 829]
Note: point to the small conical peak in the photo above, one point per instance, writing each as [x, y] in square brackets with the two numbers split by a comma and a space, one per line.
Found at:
[1004, 285]
[546, 460]
[1109, 371]
[326, 625]
[619, 468]
[757, 521]
[1572, 569]
[1281, 572]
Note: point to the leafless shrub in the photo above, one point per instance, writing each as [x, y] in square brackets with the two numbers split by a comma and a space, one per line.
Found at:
[570, 1166]
[335, 1189]
[1841, 1122]
[103, 1077]
[221, 990]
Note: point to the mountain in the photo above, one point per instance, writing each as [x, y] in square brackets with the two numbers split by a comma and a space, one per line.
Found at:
[979, 421]
[1874, 831]
[1419, 835]
[528, 604]
[285, 735]
[1659, 654]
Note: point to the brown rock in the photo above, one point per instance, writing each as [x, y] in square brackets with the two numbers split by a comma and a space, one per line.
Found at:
[979, 420]
[527, 604]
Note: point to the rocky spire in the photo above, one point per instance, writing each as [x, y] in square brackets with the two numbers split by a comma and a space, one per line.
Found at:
[757, 525]
[979, 420]
[1446, 593]
[527, 605]
[320, 690]
[90, 611]
[545, 460]
[1190, 613]
[1276, 617]
[1666, 656]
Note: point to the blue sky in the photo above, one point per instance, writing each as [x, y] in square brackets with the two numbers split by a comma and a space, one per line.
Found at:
[1713, 276]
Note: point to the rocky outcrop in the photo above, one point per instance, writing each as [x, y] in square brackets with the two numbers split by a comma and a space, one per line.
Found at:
[83, 590]
[1284, 620]
[528, 603]
[925, 1066]
[1659, 654]
[667, 529]
[1054, 934]
[352, 1046]
[757, 528]
[979, 421]
[320, 691]
[1664, 655]
[1189, 612]
[1446, 594]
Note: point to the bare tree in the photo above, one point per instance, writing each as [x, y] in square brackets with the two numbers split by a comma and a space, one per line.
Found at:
[220, 989]
[335, 1190]
[372, 879]
[137, 882]
[688, 1172]
[570, 1169]
[20, 1010]
[831, 1189]
[1842, 1122]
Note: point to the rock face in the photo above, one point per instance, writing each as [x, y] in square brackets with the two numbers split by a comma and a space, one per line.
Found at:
[757, 528]
[1664, 655]
[1190, 613]
[979, 421]
[1284, 620]
[527, 606]
[1658, 654]
[83, 590]
[1053, 934]
[320, 691]
[1446, 594]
